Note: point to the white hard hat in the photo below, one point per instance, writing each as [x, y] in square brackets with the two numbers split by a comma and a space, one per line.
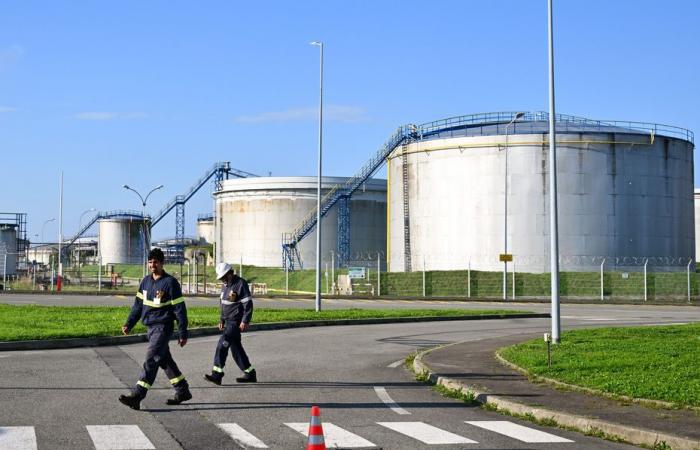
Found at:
[222, 269]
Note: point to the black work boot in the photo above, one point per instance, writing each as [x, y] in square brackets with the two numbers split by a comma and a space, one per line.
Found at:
[215, 378]
[179, 398]
[131, 400]
[248, 377]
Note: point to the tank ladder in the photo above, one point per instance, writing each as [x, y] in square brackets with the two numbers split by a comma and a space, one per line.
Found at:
[406, 210]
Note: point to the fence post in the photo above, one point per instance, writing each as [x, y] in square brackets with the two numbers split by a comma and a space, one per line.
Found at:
[424, 276]
[99, 273]
[645, 278]
[469, 279]
[333, 271]
[379, 275]
[690, 261]
[326, 274]
[240, 267]
[513, 280]
[286, 278]
[4, 272]
[602, 292]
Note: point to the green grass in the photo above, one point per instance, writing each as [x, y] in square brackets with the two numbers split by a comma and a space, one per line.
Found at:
[656, 363]
[52, 322]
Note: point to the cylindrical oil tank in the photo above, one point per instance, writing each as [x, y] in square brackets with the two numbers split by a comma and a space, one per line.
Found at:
[8, 249]
[696, 197]
[205, 229]
[625, 194]
[42, 255]
[121, 240]
[253, 214]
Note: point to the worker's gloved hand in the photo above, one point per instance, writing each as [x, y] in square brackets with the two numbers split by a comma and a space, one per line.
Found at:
[221, 325]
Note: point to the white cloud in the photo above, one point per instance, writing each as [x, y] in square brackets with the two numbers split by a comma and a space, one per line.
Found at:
[335, 113]
[108, 115]
[7, 109]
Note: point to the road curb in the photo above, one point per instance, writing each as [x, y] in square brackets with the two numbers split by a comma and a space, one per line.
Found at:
[52, 344]
[636, 436]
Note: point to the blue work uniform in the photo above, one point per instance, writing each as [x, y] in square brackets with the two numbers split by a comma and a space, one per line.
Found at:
[236, 307]
[158, 304]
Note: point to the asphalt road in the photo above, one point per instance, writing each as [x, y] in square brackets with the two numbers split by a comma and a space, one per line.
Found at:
[68, 398]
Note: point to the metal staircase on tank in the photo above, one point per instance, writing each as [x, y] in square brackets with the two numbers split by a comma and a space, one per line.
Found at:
[342, 193]
[406, 215]
[220, 171]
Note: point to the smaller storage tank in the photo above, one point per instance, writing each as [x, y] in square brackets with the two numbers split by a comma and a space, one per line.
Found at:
[205, 228]
[8, 245]
[121, 240]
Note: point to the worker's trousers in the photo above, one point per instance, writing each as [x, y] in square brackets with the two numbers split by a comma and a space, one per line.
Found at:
[158, 355]
[231, 339]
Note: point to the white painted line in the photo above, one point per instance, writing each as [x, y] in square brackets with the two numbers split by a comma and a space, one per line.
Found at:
[118, 437]
[425, 433]
[334, 436]
[388, 401]
[519, 432]
[396, 364]
[241, 436]
[664, 323]
[17, 438]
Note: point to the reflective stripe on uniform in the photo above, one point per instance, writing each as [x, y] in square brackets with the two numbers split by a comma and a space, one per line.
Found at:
[249, 369]
[177, 300]
[246, 300]
[176, 380]
[160, 305]
[226, 302]
[143, 384]
[218, 369]
[140, 295]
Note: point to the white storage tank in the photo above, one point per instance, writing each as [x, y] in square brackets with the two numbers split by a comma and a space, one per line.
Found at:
[625, 193]
[121, 240]
[205, 228]
[252, 214]
[8, 246]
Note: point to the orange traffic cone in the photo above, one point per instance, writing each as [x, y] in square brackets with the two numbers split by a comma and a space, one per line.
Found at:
[316, 441]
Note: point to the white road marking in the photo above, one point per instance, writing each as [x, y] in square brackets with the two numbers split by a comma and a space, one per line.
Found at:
[519, 432]
[664, 323]
[241, 436]
[17, 438]
[396, 364]
[388, 401]
[425, 433]
[593, 319]
[334, 436]
[118, 437]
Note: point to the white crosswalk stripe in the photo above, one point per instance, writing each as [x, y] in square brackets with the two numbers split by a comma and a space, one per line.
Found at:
[241, 436]
[17, 438]
[425, 433]
[334, 436]
[519, 432]
[118, 437]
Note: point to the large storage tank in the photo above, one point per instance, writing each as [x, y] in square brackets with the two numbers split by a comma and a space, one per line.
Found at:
[205, 228]
[121, 240]
[696, 197]
[8, 246]
[252, 214]
[625, 194]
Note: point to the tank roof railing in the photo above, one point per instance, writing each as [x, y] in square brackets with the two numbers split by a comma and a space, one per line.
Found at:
[504, 117]
[203, 217]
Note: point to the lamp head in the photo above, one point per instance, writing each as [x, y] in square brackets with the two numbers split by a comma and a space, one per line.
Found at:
[319, 43]
[519, 115]
[126, 186]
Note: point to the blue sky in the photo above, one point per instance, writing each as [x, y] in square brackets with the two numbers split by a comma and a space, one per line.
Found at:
[148, 93]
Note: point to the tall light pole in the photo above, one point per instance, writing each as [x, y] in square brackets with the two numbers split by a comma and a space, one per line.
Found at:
[143, 215]
[318, 188]
[44, 225]
[505, 209]
[553, 211]
[80, 222]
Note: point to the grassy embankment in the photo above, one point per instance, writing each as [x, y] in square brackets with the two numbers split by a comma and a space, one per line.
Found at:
[656, 363]
[661, 285]
[53, 322]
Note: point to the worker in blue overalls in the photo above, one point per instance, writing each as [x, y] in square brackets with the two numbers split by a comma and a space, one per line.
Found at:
[158, 303]
[236, 313]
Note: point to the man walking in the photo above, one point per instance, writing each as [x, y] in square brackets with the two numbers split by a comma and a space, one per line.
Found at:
[236, 313]
[158, 303]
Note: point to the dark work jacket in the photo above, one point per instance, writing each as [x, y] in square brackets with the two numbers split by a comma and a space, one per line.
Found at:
[236, 301]
[159, 302]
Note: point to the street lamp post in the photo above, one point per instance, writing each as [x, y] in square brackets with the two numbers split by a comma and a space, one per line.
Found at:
[44, 225]
[505, 209]
[553, 212]
[143, 215]
[80, 227]
[318, 188]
